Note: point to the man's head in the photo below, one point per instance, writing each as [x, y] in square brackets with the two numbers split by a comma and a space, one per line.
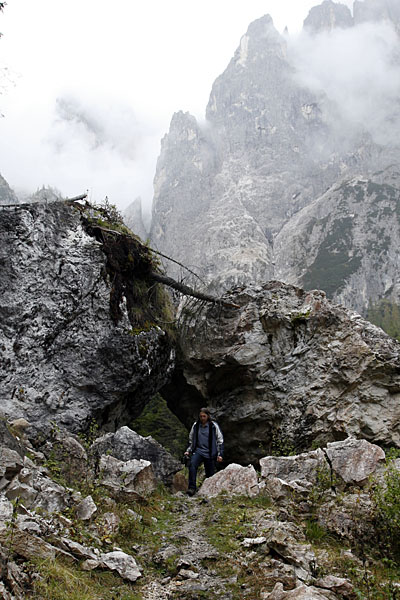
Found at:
[204, 416]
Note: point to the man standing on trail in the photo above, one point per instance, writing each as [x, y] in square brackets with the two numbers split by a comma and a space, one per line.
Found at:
[206, 445]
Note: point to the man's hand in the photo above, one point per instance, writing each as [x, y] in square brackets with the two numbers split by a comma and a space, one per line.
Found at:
[186, 453]
[219, 459]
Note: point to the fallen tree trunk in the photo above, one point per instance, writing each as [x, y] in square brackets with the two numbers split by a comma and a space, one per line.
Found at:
[188, 291]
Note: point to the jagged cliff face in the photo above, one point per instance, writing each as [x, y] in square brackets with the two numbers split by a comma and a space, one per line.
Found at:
[69, 351]
[377, 10]
[228, 193]
[346, 242]
[7, 196]
[285, 369]
[134, 220]
[327, 16]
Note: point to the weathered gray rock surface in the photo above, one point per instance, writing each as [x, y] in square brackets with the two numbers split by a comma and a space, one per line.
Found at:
[355, 460]
[234, 480]
[127, 479]
[346, 242]
[126, 445]
[64, 357]
[286, 368]
[327, 16]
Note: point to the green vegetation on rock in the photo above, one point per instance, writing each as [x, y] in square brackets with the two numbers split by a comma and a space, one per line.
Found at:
[60, 581]
[130, 267]
[159, 422]
[333, 263]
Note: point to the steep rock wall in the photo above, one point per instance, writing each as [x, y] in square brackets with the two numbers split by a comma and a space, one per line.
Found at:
[69, 351]
[346, 242]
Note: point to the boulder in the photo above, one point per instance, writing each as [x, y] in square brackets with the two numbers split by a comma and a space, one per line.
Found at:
[286, 368]
[25, 492]
[11, 463]
[7, 439]
[127, 479]
[37, 490]
[69, 453]
[301, 469]
[124, 564]
[126, 445]
[250, 542]
[278, 489]
[234, 479]
[14, 579]
[76, 549]
[355, 460]
[341, 586]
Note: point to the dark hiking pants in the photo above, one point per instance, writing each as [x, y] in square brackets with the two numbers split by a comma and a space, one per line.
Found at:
[195, 462]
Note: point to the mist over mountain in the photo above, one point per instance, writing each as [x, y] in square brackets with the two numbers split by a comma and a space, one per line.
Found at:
[289, 119]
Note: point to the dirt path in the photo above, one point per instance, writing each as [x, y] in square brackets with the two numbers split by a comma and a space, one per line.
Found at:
[189, 554]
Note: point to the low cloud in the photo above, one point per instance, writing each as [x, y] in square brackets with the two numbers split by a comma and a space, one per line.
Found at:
[80, 143]
[359, 71]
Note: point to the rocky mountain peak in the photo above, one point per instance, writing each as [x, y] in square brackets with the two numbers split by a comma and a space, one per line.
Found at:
[327, 16]
[183, 127]
[262, 32]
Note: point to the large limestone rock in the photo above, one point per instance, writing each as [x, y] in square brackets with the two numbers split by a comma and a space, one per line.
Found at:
[66, 357]
[119, 561]
[126, 445]
[350, 518]
[234, 479]
[86, 509]
[127, 479]
[288, 365]
[31, 546]
[355, 461]
[299, 468]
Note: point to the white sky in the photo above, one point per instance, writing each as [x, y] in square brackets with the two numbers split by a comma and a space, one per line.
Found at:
[129, 63]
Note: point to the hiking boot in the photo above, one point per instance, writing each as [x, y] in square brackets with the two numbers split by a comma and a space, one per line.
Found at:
[191, 492]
